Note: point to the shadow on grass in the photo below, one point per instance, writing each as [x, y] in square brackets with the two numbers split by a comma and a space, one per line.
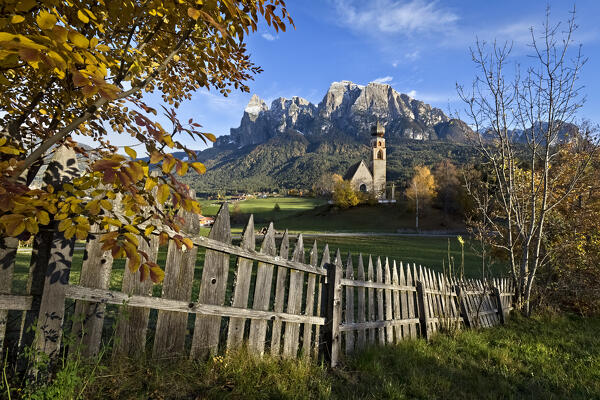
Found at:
[536, 359]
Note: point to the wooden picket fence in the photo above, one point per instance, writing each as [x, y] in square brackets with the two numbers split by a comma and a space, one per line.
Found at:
[292, 306]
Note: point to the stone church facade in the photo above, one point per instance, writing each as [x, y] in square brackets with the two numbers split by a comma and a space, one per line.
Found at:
[371, 180]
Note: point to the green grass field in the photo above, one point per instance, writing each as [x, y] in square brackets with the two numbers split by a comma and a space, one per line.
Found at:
[263, 209]
[539, 358]
[311, 215]
[426, 251]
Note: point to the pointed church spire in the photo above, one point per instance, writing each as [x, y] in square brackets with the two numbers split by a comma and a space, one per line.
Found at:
[378, 129]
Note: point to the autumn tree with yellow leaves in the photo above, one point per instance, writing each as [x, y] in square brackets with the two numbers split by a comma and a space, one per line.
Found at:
[82, 68]
[421, 190]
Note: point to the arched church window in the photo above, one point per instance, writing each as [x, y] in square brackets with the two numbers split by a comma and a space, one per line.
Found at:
[380, 155]
[363, 188]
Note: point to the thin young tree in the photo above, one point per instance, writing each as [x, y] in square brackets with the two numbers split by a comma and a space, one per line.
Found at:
[421, 190]
[520, 119]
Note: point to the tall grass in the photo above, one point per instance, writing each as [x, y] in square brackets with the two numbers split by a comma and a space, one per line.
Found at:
[550, 357]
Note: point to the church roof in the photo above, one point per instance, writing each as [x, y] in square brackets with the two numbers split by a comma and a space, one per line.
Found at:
[352, 170]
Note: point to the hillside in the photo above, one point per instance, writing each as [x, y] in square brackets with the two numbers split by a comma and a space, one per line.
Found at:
[292, 160]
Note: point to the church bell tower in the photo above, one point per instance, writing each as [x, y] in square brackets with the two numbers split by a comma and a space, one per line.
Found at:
[378, 160]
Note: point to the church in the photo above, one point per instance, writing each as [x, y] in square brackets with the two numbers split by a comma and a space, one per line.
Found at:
[372, 180]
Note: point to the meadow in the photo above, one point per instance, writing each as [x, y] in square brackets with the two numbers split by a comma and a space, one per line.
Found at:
[527, 358]
[314, 215]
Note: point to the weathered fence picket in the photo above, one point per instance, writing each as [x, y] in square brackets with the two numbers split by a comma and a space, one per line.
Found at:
[397, 315]
[171, 326]
[262, 293]
[280, 284]
[212, 288]
[241, 291]
[362, 333]
[371, 291]
[95, 273]
[294, 302]
[8, 254]
[349, 314]
[307, 342]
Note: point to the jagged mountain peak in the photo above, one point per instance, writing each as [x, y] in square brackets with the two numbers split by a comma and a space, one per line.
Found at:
[256, 105]
[347, 109]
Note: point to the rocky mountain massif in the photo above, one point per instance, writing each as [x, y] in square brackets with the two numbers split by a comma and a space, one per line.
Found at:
[292, 142]
[346, 110]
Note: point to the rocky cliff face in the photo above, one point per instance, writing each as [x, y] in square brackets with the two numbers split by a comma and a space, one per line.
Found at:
[347, 109]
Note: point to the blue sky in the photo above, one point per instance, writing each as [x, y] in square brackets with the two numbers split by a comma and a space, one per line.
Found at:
[420, 47]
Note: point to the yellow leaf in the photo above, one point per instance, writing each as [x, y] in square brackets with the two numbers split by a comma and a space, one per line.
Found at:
[193, 13]
[107, 205]
[59, 62]
[9, 150]
[43, 217]
[13, 224]
[17, 19]
[102, 47]
[78, 39]
[31, 226]
[169, 141]
[91, 14]
[188, 243]
[132, 229]
[60, 34]
[163, 193]
[70, 232]
[93, 207]
[64, 224]
[150, 183]
[81, 232]
[131, 237]
[163, 238]
[6, 37]
[112, 221]
[83, 17]
[156, 274]
[149, 229]
[130, 152]
[168, 165]
[182, 170]
[144, 270]
[199, 167]
[45, 20]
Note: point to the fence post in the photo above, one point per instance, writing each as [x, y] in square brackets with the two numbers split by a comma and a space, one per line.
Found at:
[48, 334]
[8, 254]
[423, 309]
[500, 307]
[333, 310]
[464, 309]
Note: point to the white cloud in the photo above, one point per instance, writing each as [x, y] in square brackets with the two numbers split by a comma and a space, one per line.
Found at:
[384, 79]
[269, 37]
[412, 93]
[413, 55]
[394, 16]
